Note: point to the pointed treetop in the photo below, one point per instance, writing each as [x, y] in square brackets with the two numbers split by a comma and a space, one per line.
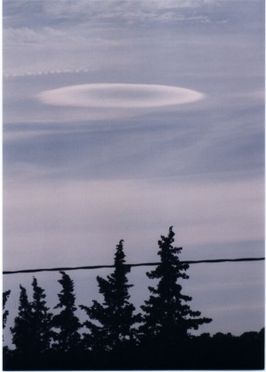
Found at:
[167, 311]
[116, 315]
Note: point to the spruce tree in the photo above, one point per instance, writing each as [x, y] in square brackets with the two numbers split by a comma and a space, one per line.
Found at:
[32, 328]
[41, 321]
[22, 332]
[115, 318]
[67, 338]
[167, 315]
[6, 294]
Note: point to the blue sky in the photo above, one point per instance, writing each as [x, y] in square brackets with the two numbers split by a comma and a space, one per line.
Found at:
[79, 177]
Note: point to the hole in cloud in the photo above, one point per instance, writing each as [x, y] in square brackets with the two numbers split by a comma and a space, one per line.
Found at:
[119, 96]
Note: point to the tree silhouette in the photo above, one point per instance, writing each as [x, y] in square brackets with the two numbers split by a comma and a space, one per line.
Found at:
[68, 325]
[115, 317]
[41, 319]
[32, 328]
[167, 315]
[22, 332]
[6, 294]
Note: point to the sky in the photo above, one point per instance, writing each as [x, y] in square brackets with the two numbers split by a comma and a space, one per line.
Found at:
[123, 118]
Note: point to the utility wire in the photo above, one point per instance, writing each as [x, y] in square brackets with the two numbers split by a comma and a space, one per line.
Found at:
[218, 260]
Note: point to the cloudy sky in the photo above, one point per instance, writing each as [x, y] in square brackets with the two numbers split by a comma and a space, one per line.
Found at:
[122, 118]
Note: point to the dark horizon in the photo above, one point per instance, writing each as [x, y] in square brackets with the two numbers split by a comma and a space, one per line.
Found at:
[116, 335]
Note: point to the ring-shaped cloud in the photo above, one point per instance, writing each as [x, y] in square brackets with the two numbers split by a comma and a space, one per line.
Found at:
[119, 96]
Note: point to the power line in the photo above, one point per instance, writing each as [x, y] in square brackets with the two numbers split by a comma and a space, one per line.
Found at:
[217, 260]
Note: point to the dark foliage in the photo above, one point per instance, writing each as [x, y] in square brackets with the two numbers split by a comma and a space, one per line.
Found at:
[219, 352]
[23, 332]
[67, 337]
[32, 329]
[41, 319]
[167, 315]
[164, 341]
[6, 294]
[115, 317]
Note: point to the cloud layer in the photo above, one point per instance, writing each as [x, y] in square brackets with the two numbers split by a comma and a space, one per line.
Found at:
[90, 216]
[119, 96]
[72, 190]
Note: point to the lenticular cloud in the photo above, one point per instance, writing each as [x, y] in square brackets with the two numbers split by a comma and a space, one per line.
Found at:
[119, 96]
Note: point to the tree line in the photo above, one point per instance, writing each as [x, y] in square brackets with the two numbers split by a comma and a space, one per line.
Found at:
[117, 336]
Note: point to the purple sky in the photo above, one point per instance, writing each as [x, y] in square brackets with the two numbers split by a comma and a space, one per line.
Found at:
[167, 130]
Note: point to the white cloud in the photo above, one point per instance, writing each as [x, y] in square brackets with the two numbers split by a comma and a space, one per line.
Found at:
[122, 96]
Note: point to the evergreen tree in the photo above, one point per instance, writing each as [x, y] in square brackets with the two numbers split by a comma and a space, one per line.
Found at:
[167, 314]
[32, 328]
[22, 332]
[115, 317]
[6, 294]
[41, 319]
[68, 325]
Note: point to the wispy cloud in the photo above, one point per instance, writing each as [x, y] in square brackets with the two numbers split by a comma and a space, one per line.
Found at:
[203, 212]
[139, 10]
[67, 35]
[45, 72]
